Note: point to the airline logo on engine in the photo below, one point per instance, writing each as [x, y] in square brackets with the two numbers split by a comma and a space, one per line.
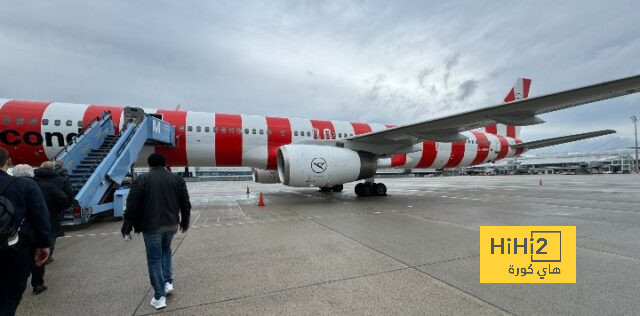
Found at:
[318, 165]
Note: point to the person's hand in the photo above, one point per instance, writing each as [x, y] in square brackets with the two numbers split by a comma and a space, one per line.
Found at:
[183, 229]
[41, 255]
[126, 228]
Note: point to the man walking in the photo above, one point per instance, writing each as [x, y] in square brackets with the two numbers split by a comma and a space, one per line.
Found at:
[157, 205]
[22, 208]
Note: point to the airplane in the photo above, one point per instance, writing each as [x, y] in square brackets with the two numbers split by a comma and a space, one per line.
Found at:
[310, 152]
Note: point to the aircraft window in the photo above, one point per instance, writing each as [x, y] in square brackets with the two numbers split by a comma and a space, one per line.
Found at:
[333, 135]
[339, 135]
[32, 121]
[223, 130]
[326, 134]
[198, 129]
[19, 121]
[6, 120]
[253, 131]
[308, 134]
[239, 130]
[181, 128]
[261, 131]
[282, 133]
[246, 131]
[268, 131]
[79, 123]
[206, 129]
[44, 122]
[295, 133]
[69, 123]
[350, 134]
[189, 128]
[56, 122]
[315, 133]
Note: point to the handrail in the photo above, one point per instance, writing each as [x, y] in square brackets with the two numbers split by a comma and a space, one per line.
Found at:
[73, 141]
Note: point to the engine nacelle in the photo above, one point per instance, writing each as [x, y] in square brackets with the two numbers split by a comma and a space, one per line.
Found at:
[265, 176]
[322, 166]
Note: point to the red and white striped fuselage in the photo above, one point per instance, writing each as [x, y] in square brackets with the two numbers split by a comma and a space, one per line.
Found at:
[36, 131]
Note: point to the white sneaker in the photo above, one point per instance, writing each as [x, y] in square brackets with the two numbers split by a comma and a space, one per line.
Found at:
[158, 303]
[168, 288]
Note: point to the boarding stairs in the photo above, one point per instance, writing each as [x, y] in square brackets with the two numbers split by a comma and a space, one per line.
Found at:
[99, 160]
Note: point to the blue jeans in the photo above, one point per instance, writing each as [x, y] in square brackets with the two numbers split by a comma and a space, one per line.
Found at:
[159, 260]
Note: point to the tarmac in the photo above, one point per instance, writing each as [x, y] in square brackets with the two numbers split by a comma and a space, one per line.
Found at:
[415, 251]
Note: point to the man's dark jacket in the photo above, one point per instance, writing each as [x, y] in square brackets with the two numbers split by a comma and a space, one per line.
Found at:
[155, 199]
[57, 201]
[53, 177]
[28, 204]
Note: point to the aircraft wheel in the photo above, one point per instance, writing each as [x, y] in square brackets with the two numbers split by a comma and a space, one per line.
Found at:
[337, 188]
[358, 189]
[325, 189]
[380, 189]
[367, 189]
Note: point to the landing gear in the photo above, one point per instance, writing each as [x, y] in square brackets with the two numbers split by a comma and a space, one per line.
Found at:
[370, 188]
[335, 188]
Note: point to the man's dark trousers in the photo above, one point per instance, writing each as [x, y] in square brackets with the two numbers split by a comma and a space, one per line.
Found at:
[15, 266]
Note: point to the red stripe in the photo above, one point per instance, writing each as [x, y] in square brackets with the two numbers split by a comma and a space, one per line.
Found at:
[428, 154]
[511, 131]
[526, 84]
[23, 141]
[278, 126]
[361, 128]
[95, 111]
[504, 147]
[176, 156]
[519, 151]
[321, 126]
[511, 96]
[483, 148]
[229, 143]
[491, 129]
[457, 153]
[398, 160]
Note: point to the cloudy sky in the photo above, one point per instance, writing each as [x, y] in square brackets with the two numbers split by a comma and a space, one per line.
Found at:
[380, 61]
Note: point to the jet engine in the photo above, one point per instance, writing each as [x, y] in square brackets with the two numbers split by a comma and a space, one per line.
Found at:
[265, 176]
[301, 165]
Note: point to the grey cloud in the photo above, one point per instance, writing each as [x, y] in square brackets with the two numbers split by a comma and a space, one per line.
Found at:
[379, 61]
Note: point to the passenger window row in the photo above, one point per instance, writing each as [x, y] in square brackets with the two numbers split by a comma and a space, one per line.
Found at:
[33, 121]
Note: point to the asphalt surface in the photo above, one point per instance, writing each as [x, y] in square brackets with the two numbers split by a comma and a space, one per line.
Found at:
[412, 252]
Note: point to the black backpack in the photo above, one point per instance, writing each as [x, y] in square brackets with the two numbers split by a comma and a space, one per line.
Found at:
[9, 225]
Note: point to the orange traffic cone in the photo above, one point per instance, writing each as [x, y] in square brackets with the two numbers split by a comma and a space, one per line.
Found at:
[261, 200]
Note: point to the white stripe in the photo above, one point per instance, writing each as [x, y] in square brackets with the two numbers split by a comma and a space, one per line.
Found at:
[377, 127]
[443, 152]
[470, 150]
[344, 128]
[300, 125]
[254, 145]
[200, 145]
[65, 113]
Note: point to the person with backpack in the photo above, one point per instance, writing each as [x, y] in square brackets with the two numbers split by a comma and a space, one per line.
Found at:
[56, 200]
[24, 234]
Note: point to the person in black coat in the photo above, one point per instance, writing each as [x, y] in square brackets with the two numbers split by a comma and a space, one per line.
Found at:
[57, 195]
[34, 239]
[157, 204]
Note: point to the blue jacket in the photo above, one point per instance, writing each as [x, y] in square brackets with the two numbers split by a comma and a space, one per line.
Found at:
[28, 204]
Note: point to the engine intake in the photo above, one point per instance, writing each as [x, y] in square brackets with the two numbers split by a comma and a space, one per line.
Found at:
[322, 166]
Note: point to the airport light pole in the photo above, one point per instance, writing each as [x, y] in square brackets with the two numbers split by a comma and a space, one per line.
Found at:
[634, 119]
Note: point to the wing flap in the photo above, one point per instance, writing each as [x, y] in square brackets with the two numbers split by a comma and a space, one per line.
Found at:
[562, 139]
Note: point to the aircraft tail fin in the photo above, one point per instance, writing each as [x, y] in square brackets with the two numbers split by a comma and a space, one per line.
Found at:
[519, 91]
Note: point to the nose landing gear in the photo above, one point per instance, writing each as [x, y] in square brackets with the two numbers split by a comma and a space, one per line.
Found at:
[370, 188]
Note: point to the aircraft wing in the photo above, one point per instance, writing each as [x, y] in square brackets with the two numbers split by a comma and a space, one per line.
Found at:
[561, 140]
[521, 113]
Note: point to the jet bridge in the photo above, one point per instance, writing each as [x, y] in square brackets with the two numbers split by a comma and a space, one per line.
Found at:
[99, 159]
